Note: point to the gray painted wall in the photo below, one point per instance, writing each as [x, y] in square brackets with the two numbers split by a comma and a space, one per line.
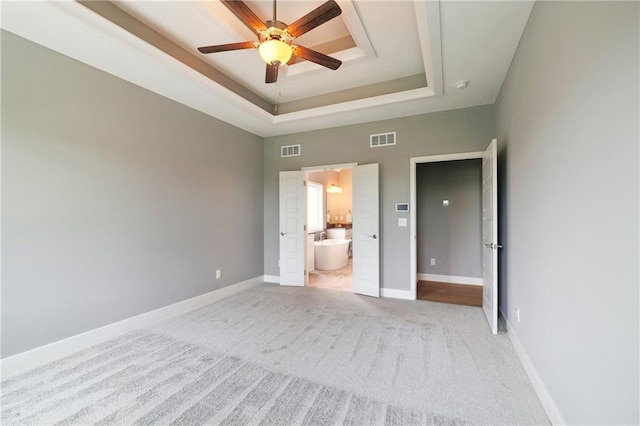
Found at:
[567, 121]
[463, 130]
[451, 235]
[116, 201]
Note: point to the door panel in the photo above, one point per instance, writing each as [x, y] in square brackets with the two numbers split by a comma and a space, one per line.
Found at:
[366, 233]
[490, 235]
[292, 243]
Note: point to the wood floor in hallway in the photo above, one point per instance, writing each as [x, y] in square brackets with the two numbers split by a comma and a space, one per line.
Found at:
[457, 294]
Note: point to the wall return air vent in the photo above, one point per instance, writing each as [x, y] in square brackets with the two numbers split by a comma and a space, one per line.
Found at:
[382, 139]
[290, 151]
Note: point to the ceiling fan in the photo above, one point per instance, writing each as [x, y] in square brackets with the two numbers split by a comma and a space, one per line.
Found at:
[275, 37]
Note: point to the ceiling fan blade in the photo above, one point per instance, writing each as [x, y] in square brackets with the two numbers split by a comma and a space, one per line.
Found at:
[246, 15]
[272, 74]
[317, 57]
[227, 47]
[326, 12]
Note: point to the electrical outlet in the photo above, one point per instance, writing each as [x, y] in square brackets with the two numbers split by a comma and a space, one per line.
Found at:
[218, 274]
[517, 314]
[433, 261]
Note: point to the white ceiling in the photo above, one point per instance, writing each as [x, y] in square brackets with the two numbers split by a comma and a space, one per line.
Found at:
[194, 24]
[445, 41]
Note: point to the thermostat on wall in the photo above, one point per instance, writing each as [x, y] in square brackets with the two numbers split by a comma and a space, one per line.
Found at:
[402, 207]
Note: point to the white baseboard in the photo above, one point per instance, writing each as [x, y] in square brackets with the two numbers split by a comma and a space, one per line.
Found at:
[549, 405]
[393, 293]
[272, 279]
[44, 354]
[451, 279]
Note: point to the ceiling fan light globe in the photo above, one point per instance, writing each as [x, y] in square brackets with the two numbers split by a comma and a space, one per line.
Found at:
[272, 51]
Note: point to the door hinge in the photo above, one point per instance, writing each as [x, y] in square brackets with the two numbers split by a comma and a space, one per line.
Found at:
[304, 227]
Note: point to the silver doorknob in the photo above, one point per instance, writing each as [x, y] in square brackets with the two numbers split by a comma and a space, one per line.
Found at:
[493, 246]
[374, 236]
[283, 233]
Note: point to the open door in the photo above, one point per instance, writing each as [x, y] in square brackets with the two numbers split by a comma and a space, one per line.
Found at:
[292, 238]
[490, 235]
[366, 233]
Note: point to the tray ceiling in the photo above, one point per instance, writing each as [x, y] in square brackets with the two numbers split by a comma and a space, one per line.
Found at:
[399, 57]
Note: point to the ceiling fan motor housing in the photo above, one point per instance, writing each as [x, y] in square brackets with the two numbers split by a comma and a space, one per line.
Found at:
[276, 30]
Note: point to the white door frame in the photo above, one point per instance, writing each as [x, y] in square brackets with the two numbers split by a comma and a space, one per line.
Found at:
[329, 167]
[413, 235]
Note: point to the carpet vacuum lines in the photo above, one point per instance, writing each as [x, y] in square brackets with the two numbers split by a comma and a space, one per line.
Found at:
[277, 355]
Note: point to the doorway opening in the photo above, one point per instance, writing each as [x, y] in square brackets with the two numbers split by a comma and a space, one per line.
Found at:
[449, 231]
[487, 244]
[329, 224]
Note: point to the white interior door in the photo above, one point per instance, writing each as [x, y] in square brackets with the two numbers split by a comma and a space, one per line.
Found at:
[490, 235]
[292, 238]
[366, 233]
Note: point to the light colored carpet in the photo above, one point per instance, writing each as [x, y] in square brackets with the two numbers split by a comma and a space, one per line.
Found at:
[277, 355]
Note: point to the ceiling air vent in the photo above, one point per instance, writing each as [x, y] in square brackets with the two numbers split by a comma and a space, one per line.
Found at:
[382, 139]
[290, 151]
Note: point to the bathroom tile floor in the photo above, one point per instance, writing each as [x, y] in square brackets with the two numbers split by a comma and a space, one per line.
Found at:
[339, 279]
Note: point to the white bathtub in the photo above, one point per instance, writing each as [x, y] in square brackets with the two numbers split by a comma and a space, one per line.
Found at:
[337, 234]
[330, 255]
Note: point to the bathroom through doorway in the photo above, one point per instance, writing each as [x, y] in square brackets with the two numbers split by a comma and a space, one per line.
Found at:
[329, 225]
